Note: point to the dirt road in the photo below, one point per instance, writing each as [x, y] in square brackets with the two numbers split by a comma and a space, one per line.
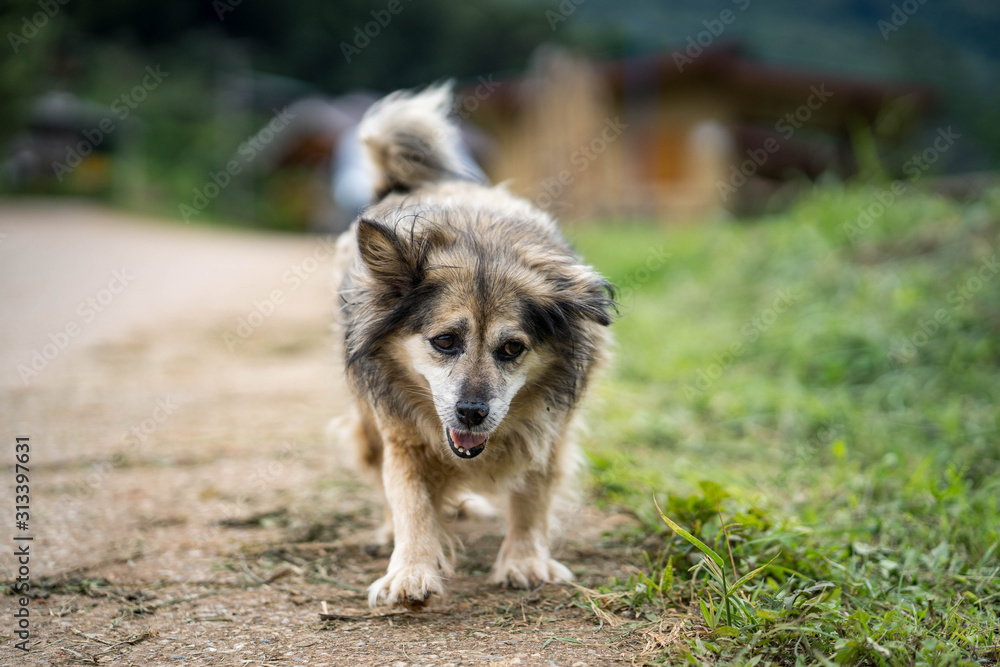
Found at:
[186, 508]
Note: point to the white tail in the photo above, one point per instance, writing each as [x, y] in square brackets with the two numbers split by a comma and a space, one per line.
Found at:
[410, 140]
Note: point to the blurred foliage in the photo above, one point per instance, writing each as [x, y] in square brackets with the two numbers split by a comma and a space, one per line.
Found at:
[231, 63]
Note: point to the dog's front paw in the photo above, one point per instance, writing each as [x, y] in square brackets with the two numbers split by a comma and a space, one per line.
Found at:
[528, 572]
[407, 586]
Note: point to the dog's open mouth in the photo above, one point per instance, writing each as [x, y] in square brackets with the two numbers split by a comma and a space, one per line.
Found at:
[466, 445]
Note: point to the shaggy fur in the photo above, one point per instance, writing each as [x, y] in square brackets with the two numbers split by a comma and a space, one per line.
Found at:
[470, 330]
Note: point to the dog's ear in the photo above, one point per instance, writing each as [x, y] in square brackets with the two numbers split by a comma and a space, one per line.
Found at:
[579, 293]
[391, 259]
[588, 294]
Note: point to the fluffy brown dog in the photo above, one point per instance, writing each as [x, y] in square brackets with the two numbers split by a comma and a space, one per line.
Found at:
[471, 330]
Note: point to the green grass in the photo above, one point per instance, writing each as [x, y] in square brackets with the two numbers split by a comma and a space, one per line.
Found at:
[847, 444]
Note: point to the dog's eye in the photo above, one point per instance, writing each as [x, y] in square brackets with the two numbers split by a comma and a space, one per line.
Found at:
[510, 350]
[444, 343]
[415, 156]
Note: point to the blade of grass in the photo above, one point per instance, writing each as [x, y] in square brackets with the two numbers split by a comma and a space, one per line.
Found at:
[750, 575]
[725, 534]
[704, 548]
[725, 597]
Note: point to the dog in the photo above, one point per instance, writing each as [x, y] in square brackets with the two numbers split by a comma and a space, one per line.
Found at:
[470, 330]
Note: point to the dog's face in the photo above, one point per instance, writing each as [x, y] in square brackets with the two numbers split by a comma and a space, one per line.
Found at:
[474, 357]
[479, 318]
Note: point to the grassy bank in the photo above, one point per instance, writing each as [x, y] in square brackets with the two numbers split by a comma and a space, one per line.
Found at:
[825, 385]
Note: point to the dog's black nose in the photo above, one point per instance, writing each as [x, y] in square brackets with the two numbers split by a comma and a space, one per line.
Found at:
[472, 413]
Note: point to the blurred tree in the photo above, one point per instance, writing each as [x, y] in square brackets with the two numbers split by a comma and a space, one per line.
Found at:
[420, 42]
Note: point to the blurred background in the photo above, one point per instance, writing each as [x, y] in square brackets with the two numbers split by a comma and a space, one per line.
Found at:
[799, 202]
[145, 105]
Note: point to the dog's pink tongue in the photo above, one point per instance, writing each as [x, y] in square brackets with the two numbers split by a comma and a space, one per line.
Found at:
[467, 440]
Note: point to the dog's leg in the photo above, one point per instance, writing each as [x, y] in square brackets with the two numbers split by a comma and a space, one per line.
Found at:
[524, 560]
[360, 444]
[371, 459]
[475, 506]
[418, 562]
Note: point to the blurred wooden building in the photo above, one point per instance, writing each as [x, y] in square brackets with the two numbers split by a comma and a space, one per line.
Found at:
[677, 138]
[658, 137]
